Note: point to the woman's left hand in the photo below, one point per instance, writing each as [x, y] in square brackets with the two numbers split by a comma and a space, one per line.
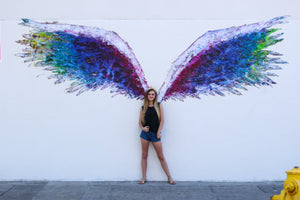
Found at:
[158, 135]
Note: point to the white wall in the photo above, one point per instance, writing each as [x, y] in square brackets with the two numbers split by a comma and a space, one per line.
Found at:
[148, 9]
[47, 134]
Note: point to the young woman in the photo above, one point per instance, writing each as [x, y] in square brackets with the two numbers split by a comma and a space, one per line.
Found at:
[151, 122]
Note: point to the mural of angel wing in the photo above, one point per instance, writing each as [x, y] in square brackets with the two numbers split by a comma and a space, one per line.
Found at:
[90, 57]
[224, 61]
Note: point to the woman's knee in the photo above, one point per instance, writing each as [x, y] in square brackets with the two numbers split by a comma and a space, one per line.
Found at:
[161, 157]
[144, 155]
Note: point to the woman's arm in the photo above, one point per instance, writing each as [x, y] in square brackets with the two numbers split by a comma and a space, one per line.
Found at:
[146, 128]
[161, 121]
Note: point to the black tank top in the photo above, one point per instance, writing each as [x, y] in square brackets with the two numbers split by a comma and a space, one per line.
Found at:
[151, 119]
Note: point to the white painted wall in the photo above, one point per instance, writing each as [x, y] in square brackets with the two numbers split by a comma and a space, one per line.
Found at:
[46, 134]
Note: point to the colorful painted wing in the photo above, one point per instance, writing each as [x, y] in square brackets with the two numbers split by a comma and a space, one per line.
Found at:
[224, 61]
[90, 57]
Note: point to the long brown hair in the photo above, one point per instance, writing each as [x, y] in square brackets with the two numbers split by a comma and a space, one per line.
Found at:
[146, 104]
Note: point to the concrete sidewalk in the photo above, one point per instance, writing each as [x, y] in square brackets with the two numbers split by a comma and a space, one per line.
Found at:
[55, 190]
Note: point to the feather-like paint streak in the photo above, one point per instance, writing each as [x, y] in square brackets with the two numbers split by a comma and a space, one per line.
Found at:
[225, 61]
[90, 57]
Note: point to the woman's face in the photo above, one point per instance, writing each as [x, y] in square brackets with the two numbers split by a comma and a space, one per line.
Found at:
[151, 95]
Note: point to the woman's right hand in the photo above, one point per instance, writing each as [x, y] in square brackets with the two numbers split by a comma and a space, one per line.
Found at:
[146, 128]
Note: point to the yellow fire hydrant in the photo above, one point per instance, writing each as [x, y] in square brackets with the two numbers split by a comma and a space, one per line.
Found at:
[291, 186]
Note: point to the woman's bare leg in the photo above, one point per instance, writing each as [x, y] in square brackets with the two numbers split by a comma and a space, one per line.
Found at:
[158, 148]
[145, 147]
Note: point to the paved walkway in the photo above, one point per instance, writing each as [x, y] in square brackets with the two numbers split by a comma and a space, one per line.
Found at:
[54, 190]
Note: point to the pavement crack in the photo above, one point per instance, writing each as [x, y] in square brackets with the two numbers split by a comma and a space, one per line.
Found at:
[212, 189]
[261, 189]
[7, 190]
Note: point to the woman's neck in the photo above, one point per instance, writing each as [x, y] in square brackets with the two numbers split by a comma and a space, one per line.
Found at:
[150, 103]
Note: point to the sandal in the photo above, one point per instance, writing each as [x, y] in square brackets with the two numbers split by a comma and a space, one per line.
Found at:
[171, 182]
[143, 181]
